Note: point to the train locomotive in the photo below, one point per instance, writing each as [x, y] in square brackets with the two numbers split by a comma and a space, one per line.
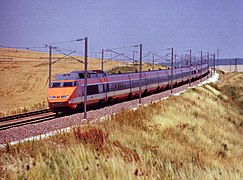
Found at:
[66, 92]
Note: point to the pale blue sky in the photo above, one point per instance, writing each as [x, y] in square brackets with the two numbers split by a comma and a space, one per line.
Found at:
[205, 25]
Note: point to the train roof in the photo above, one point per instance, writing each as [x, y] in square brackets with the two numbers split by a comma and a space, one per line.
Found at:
[80, 75]
[75, 75]
[90, 71]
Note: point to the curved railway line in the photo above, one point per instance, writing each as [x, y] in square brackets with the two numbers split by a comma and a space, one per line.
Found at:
[35, 117]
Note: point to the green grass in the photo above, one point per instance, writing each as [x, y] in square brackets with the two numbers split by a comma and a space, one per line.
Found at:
[197, 135]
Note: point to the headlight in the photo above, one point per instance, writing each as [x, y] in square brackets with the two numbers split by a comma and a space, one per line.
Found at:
[52, 97]
[65, 97]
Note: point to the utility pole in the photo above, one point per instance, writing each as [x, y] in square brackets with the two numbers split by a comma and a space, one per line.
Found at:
[50, 59]
[201, 64]
[133, 69]
[153, 63]
[85, 75]
[211, 64]
[102, 60]
[230, 65]
[214, 64]
[171, 89]
[140, 74]
[190, 62]
[181, 60]
[175, 61]
[236, 65]
[217, 63]
[207, 62]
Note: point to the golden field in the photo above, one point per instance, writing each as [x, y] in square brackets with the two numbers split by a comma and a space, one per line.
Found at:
[24, 77]
[197, 135]
[228, 68]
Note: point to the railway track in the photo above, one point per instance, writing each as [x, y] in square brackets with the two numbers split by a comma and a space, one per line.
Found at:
[26, 118]
[28, 114]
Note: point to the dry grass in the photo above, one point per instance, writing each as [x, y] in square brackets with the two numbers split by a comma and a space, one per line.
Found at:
[24, 81]
[228, 68]
[197, 135]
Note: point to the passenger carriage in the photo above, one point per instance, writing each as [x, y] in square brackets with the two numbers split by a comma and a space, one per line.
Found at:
[67, 91]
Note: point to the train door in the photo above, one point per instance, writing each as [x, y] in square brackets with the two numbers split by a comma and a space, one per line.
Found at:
[130, 82]
[106, 88]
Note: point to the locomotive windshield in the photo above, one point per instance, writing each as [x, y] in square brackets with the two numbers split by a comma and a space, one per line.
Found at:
[68, 84]
[55, 85]
[63, 84]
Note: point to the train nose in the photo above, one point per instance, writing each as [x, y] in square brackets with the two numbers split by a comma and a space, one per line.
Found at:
[58, 99]
[60, 95]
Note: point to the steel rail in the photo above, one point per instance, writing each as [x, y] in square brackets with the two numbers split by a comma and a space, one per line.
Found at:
[23, 115]
[26, 122]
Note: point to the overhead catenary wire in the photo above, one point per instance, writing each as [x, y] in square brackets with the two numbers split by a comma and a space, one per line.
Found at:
[29, 57]
[125, 53]
[23, 57]
[121, 54]
[63, 57]
[124, 47]
[23, 47]
[56, 49]
[64, 42]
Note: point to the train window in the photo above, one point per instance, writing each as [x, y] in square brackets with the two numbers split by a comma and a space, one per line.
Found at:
[169, 76]
[153, 80]
[92, 89]
[119, 86]
[56, 85]
[67, 84]
[136, 83]
[106, 87]
[163, 78]
[101, 88]
[123, 85]
[92, 75]
[81, 75]
[186, 74]
[143, 82]
[112, 86]
[100, 75]
[178, 76]
[127, 84]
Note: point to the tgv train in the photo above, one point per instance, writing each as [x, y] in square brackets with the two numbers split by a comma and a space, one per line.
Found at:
[67, 90]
